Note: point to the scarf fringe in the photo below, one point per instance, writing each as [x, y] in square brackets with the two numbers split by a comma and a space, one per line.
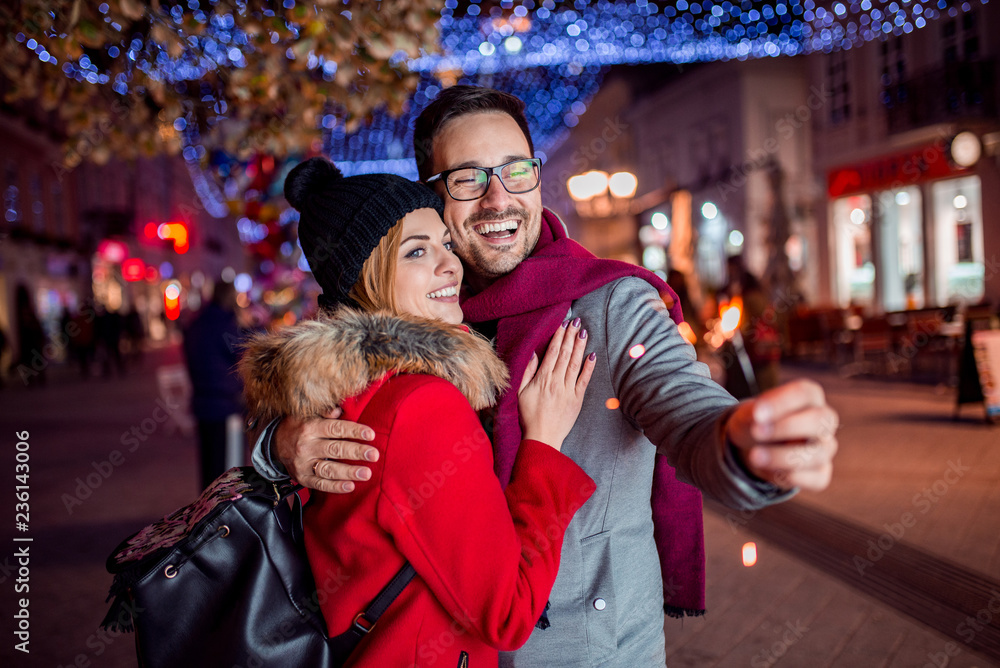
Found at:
[680, 613]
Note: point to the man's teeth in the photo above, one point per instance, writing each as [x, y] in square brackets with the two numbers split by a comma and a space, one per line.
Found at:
[446, 292]
[496, 227]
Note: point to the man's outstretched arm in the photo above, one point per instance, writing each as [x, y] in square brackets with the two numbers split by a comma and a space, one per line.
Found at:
[714, 442]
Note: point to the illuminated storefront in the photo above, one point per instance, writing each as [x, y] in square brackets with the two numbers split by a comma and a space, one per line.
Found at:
[907, 232]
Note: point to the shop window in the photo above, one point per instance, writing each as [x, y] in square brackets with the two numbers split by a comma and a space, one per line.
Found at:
[855, 271]
[958, 240]
[901, 267]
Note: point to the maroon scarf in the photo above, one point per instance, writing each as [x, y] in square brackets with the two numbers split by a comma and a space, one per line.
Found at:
[528, 304]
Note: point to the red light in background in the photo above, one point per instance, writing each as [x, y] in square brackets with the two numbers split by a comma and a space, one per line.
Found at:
[133, 269]
[150, 231]
[112, 251]
[176, 232]
[152, 275]
[172, 301]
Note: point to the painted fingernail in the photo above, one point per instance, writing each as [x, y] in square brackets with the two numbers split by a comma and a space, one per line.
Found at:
[583, 333]
[592, 356]
[565, 324]
[364, 474]
[371, 455]
[576, 323]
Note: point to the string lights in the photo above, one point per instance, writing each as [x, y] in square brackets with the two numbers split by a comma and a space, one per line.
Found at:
[552, 55]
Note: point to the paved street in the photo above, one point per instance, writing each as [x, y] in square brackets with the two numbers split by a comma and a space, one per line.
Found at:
[902, 462]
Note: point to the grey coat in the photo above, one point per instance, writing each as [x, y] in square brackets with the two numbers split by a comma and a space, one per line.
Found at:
[607, 602]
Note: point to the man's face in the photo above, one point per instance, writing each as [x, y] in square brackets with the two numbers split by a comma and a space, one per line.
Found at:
[488, 140]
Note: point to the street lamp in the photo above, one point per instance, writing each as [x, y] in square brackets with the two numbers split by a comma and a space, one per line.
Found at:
[599, 195]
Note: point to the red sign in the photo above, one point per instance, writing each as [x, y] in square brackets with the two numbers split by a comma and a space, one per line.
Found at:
[112, 251]
[920, 164]
[133, 269]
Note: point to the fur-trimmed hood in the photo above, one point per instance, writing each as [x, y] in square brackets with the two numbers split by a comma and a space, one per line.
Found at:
[309, 368]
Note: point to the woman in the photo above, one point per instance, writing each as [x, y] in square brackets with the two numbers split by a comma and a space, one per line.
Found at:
[402, 364]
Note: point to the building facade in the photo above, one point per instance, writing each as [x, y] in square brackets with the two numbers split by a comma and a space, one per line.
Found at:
[721, 153]
[907, 149]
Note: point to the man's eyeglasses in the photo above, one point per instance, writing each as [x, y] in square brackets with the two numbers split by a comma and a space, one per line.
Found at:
[469, 183]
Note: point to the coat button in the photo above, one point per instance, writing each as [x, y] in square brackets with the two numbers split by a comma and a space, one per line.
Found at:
[600, 604]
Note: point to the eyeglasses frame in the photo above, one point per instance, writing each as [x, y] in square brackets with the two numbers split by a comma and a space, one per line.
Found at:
[490, 172]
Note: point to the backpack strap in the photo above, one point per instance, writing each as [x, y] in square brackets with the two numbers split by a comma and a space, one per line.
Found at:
[384, 599]
[365, 621]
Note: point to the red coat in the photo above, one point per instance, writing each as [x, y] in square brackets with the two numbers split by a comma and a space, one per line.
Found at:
[485, 558]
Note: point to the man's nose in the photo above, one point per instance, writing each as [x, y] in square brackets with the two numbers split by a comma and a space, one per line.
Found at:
[496, 198]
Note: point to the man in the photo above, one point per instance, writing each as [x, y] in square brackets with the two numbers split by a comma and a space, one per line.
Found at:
[648, 395]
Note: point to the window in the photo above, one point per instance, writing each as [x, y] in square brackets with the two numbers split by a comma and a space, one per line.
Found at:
[901, 272]
[837, 83]
[960, 41]
[855, 267]
[893, 62]
[958, 240]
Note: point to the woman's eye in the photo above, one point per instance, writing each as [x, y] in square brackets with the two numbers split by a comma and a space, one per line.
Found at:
[415, 253]
[450, 246]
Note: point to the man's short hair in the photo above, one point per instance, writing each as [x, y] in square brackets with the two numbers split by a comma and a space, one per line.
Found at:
[459, 101]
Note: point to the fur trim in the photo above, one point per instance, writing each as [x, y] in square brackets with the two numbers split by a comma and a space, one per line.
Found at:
[307, 369]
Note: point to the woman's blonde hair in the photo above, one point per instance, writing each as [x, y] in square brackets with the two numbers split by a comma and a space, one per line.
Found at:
[375, 289]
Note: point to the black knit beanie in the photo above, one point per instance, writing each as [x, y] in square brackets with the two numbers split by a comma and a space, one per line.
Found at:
[343, 219]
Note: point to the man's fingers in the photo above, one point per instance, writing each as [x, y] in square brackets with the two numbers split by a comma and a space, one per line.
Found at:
[793, 457]
[339, 429]
[786, 399]
[339, 472]
[815, 479]
[350, 451]
[806, 425]
[334, 414]
[329, 486]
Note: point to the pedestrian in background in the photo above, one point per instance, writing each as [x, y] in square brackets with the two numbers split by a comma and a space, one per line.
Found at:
[108, 328]
[30, 336]
[758, 324]
[211, 349]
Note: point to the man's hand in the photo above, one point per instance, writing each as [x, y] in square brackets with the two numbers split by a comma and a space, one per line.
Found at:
[306, 448]
[787, 436]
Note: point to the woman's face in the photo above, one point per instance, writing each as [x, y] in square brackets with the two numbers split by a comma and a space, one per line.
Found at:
[428, 273]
